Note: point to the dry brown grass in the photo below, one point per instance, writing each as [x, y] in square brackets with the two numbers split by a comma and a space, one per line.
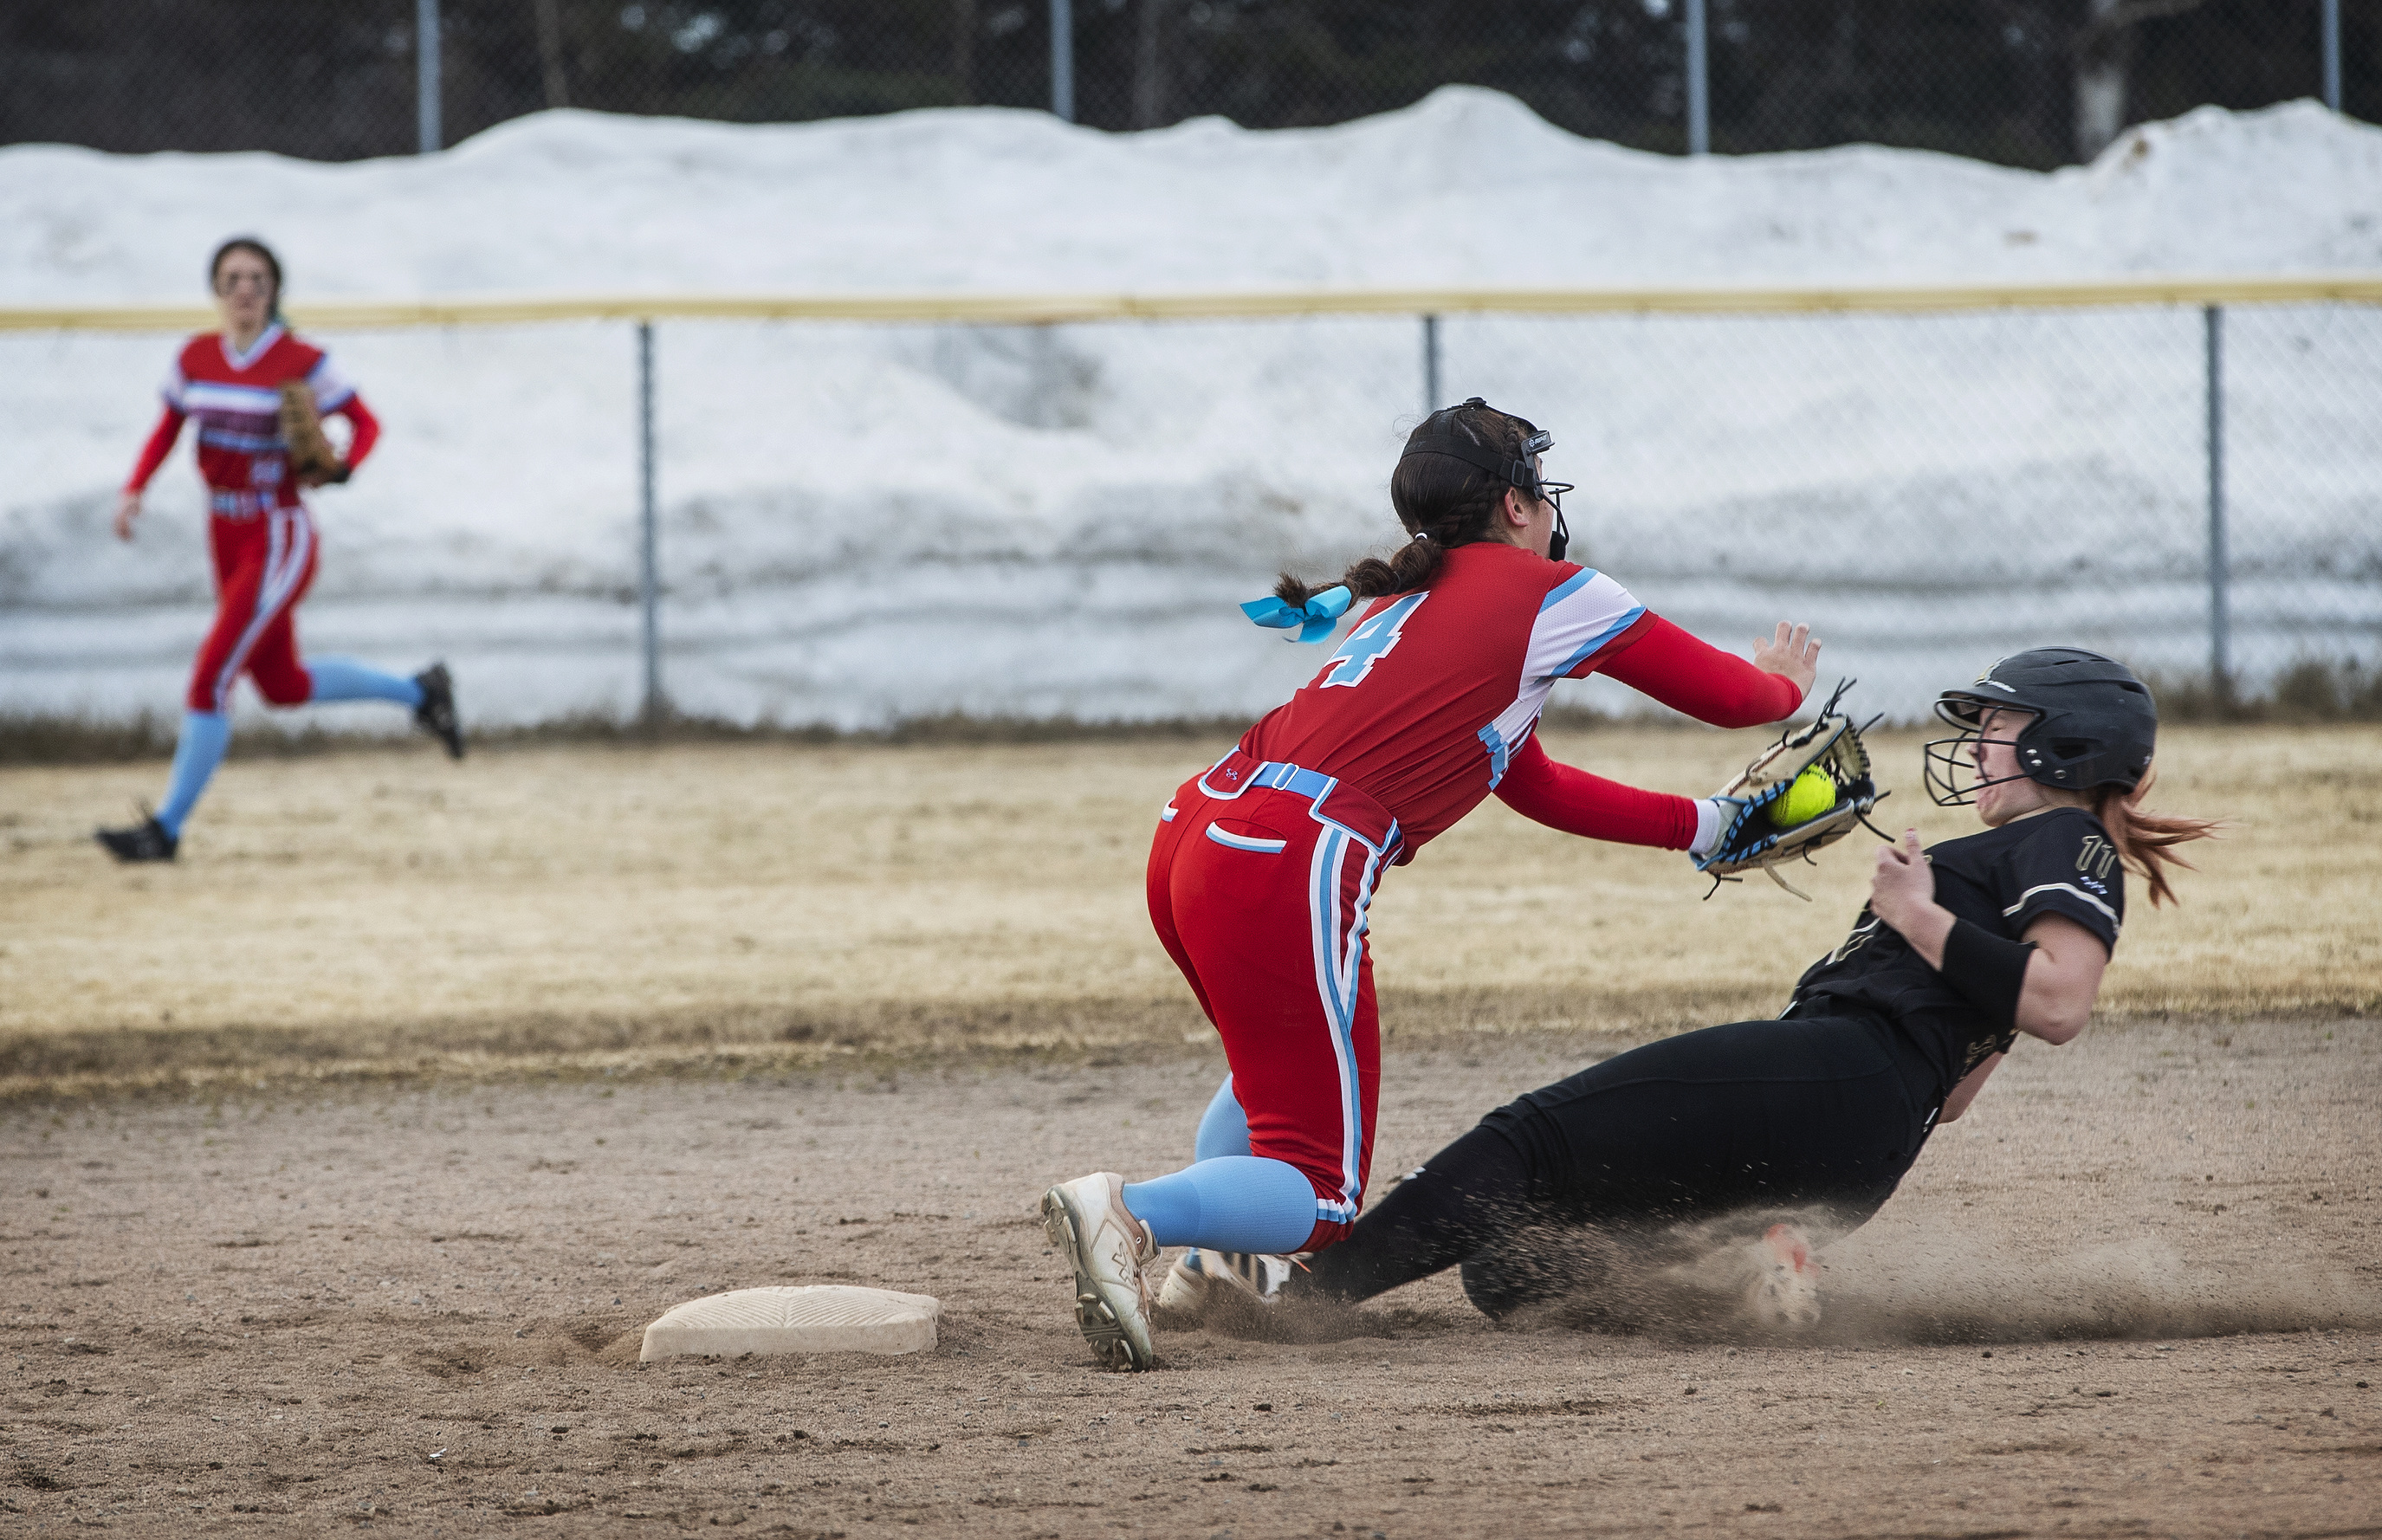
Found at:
[381, 909]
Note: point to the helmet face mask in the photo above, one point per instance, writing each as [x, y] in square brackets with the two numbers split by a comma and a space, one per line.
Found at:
[2089, 723]
[1952, 769]
[1547, 492]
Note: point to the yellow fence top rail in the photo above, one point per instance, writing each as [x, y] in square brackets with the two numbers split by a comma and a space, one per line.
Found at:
[1041, 309]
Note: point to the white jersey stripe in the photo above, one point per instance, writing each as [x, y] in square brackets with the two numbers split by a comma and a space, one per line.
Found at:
[257, 349]
[1323, 916]
[1500, 754]
[247, 443]
[1584, 612]
[2070, 889]
[1339, 940]
[331, 387]
[1566, 588]
[289, 541]
[276, 535]
[1578, 615]
[1587, 649]
[245, 400]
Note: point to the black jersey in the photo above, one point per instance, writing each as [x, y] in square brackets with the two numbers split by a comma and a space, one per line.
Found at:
[2059, 862]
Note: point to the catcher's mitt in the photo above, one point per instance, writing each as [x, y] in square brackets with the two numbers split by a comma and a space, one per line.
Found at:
[1833, 745]
[312, 458]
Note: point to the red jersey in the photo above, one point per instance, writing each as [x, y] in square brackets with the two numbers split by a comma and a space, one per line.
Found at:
[237, 398]
[1431, 693]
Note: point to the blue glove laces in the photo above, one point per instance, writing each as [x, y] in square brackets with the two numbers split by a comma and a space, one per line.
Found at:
[1315, 619]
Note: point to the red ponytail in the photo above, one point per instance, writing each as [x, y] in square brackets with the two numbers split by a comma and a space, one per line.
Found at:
[2146, 840]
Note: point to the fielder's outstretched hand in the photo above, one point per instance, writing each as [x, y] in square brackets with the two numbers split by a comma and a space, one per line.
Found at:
[128, 508]
[1791, 651]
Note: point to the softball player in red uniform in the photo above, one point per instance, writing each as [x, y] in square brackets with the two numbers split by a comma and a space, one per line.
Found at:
[261, 535]
[1264, 865]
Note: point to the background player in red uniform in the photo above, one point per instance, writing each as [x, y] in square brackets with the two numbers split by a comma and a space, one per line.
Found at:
[261, 535]
[1960, 949]
[1264, 866]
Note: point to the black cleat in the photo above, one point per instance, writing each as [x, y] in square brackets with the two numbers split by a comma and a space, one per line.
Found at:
[147, 840]
[435, 715]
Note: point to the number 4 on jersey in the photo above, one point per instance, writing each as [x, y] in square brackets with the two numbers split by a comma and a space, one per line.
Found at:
[1370, 643]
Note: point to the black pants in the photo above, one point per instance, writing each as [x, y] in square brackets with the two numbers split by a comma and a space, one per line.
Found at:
[1826, 1111]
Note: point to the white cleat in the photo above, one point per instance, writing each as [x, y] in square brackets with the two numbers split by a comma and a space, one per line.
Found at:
[1785, 1288]
[1108, 1247]
[1192, 1284]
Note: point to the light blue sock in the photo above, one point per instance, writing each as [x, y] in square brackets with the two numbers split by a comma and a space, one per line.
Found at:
[196, 754]
[1224, 1127]
[1230, 1203]
[346, 679]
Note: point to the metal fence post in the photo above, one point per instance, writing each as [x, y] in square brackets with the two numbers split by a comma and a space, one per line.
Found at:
[1429, 364]
[426, 94]
[2220, 621]
[1699, 81]
[2332, 54]
[648, 568]
[1062, 60]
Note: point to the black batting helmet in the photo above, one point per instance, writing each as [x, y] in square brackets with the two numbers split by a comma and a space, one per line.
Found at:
[2093, 723]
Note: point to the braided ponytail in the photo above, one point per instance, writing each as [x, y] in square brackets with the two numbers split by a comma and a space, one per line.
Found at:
[1411, 566]
[1443, 502]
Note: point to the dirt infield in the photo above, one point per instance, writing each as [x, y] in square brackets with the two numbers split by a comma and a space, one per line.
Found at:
[378, 911]
[345, 1159]
[416, 1308]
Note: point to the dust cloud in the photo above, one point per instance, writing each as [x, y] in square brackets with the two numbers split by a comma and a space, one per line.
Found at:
[1924, 1279]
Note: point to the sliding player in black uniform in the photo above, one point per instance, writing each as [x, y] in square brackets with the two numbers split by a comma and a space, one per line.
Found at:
[1960, 949]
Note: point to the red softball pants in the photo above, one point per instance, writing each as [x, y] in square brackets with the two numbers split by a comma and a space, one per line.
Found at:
[1260, 880]
[263, 564]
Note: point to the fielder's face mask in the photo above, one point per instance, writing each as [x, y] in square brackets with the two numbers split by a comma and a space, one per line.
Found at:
[1953, 772]
[1521, 474]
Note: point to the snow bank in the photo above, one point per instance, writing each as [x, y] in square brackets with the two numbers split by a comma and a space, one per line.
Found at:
[863, 523]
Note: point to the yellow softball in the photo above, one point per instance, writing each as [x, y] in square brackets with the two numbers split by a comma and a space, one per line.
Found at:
[1812, 794]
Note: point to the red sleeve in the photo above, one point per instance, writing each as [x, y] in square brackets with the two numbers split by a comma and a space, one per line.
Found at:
[154, 453]
[1627, 638]
[367, 428]
[1563, 797]
[1696, 677]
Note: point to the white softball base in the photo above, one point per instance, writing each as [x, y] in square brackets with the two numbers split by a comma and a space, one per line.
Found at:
[816, 1318]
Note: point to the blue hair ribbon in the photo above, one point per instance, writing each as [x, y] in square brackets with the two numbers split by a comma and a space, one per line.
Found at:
[1315, 619]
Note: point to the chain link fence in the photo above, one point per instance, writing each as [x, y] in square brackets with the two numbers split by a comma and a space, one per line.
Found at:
[2023, 82]
[1934, 491]
[2194, 492]
[1057, 521]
